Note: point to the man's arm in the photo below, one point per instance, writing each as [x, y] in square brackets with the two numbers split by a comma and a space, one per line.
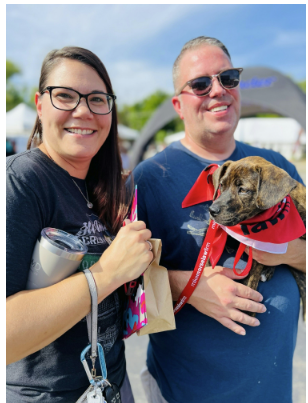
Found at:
[295, 256]
[219, 297]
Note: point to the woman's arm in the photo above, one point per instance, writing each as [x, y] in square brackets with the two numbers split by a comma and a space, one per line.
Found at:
[35, 318]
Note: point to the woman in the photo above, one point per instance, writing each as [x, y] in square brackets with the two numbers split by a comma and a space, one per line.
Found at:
[71, 181]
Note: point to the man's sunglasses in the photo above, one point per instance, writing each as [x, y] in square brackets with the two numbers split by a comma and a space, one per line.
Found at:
[202, 86]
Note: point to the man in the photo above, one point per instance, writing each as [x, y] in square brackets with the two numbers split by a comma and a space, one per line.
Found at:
[205, 359]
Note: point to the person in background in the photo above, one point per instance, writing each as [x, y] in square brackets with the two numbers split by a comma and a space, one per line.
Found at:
[71, 181]
[10, 147]
[124, 155]
[218, 353]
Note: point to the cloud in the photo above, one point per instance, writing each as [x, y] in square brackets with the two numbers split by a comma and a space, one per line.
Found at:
[290, 38]
[138, 43]
[134, 80]
[113, 32]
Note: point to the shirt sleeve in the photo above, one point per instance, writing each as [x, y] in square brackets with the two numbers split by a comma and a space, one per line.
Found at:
[23, 226]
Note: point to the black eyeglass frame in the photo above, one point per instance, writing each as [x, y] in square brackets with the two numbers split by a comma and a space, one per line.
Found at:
[85, 96]
[189, 83]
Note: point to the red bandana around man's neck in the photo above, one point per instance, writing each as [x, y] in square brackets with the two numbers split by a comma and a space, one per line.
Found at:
[278, 225]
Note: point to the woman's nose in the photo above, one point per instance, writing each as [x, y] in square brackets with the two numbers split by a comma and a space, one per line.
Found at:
[82, 108]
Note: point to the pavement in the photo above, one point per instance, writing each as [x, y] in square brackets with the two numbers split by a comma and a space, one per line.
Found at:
[136, 350]
[136, 354]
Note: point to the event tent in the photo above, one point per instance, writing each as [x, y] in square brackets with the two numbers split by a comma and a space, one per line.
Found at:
[21, 119]
[284, 135]
[263, 90]
[19, 124]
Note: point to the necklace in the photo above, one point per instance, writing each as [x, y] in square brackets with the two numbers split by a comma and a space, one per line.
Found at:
[89, 204]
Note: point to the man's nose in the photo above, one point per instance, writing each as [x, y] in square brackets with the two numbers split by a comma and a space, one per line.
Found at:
[217, 89]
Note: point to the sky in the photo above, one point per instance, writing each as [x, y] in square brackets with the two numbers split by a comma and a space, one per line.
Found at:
[139, 43]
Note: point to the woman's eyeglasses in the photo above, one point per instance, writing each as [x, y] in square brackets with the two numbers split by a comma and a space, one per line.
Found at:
[66, 99]
[202, 86]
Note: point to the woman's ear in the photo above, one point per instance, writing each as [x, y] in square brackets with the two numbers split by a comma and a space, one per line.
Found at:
[38, 103]
[177, 106]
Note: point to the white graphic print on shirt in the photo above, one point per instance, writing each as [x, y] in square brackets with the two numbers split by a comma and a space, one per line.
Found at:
[93, 232]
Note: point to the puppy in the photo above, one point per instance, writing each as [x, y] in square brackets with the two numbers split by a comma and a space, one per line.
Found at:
[247, 188]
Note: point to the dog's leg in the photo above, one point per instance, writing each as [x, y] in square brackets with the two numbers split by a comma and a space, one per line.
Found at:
[267, 273]
[300, 279]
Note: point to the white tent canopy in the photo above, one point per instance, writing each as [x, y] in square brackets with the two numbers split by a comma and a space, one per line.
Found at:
[126, 133]
[284, 135]
[267, 130]
[20, 121]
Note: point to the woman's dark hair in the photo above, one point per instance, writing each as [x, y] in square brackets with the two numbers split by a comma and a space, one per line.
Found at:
[105, 181]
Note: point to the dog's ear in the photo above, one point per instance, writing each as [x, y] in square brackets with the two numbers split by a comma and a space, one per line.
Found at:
[274, 185]
[217, 175]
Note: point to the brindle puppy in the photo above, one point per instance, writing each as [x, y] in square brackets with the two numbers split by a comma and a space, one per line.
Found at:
[248, 187]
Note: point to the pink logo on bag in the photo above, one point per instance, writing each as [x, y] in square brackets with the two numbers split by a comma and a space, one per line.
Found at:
[135, 316]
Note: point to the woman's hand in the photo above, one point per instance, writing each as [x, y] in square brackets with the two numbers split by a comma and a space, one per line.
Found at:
[126, 258]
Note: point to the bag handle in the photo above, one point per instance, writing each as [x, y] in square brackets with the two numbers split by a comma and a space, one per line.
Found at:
[92, 328]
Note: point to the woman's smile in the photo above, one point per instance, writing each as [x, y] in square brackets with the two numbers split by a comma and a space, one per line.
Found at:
[80, 132]
[73, 137]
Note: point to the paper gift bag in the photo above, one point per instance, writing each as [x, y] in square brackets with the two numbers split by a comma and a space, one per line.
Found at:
[158, 299]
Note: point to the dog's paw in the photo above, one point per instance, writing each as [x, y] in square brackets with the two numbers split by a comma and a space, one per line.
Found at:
[267, 273]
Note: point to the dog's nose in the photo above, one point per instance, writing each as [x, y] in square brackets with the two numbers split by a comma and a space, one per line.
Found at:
[214, 210]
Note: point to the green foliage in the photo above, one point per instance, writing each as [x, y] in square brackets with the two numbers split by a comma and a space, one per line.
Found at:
[11, 69]
[267, 115]
[29, 96]
[13, 96]
[302, 85]
[136, 115]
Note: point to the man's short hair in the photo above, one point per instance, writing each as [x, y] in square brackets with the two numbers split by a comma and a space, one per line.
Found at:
[192, 44]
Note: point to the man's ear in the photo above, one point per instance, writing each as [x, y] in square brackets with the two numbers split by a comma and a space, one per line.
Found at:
[274, 185]
[217, 175]
[38, 103]
[177, 106]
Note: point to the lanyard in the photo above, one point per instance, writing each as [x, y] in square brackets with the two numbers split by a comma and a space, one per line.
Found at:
[199, 267]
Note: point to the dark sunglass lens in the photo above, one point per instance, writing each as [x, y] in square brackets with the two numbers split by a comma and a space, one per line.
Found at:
[201, 85]
[230, 78]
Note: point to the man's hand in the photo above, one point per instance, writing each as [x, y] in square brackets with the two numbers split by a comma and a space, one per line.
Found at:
[295, 256]
[219, 297]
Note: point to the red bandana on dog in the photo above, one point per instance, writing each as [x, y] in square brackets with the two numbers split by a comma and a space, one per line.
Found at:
[269, 231]
[266, 231]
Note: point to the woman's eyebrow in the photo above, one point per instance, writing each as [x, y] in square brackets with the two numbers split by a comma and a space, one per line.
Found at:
[98, 92]
[92, 92]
